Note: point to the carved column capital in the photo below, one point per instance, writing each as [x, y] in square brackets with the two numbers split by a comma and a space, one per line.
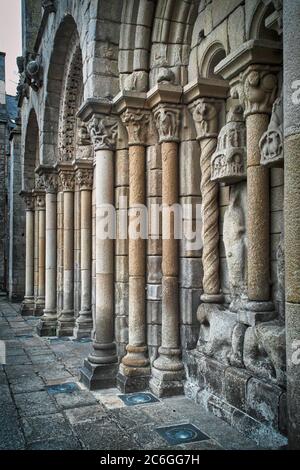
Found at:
[84, 150]
[103, 131]
[28, 199]
[39, 184]
[136, 122]
[50, 182]
[66, 180]
[84, 178]
[39, 200]
[205, 116]
[167, 120]
[257, 89]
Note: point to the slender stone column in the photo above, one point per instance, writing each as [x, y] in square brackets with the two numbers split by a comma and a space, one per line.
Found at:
[40, 207]
[28, 302]
[291, 67]
[205, 114]
[259, 87]
[84, 322]
[100, 367]
[167, 372]
[48, 322]
[66, 319]
[135, 369]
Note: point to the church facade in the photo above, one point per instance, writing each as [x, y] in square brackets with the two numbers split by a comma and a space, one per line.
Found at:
[191, 106]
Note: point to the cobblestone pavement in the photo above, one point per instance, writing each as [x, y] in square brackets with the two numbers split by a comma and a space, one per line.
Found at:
[34, 414]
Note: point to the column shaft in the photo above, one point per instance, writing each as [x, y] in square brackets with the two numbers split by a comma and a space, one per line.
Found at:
[40, 301]
[83, 325]
[28, 302]
[258, 212]
[48, 323]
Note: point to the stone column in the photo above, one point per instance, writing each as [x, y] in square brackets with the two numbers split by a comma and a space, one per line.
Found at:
[205, 114]
[40, 208]
[168, 372]
[258, 92]
[66, 319]
[84, 321]
[48, 322]
[135, 369]
[100, 367]
[291, 67]
[28, 302]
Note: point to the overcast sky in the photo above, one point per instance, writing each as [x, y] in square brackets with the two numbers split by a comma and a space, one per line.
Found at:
[10, 40]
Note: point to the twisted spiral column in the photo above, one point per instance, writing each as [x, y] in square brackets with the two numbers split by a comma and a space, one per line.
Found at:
[205, 114]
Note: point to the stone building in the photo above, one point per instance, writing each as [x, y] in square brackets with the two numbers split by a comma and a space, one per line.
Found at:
[177, 103]
[12, 227]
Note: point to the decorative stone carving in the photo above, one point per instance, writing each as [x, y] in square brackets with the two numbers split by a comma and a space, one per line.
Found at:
[220, 335]
[265, 352]
[28, 200]
[40, 183]
[67, 180]
[40, 201]
[228, 164]
[257, 90]
[136, 81]
[204, 113]
[71, 98]
[34, 71]
[103, 131]
[83, 141]
[84, 178]
[50, 182]
[136, 122]
[167, 120]
[234, 234]
[271, 143]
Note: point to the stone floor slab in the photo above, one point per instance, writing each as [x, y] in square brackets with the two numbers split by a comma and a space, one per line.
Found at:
[35, 403]
[75, 399]
[42, 428]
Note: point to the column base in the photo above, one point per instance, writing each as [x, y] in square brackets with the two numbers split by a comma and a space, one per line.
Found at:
[212, 298]
[256, 311]
[27, 307]
[133, 379]
[83, 328]
[98, 376]
[167, 383]
[46, 327]
[39, 307]
[65, 323]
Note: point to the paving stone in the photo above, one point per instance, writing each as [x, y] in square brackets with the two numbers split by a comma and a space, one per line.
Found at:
[75, 399]
[35, 403]
[43, 359]
[104, 435]
[66, 443]
[19, 371]
[11, 436]
[203, 445]
[5, 395]
[29, 383]
[41, 428]
[3, 379]
[53, 373]
[19, 359]
[109, 401]
[130, 418]
[147, 437]
[85, 413]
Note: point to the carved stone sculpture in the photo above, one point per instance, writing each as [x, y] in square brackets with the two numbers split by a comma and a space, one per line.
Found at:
[234, 234]
[220, 336]
[228, 163]
[271, 143]
[264, 351]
